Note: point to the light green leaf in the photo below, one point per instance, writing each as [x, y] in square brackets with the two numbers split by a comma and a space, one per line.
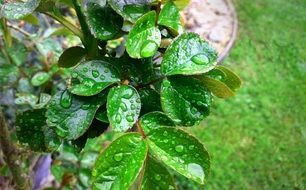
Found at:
[94, 76]
[119, 164]
[145, 38]
[153, 120]
[71, 115]
[181, 152]
[232, 80]
[26, 99]
[181, 4]
[40, 78]
[188, 55]
[123, 107]
[18, 10]
[156, 177]
[185, 100]
[71, 56]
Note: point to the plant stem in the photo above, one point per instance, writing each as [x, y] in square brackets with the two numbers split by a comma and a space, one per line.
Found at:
[140, 130]
[11, 156]
[6, 33]
[158, 11]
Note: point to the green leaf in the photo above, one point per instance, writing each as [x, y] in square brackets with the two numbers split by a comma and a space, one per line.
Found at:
[71, 56]
[231, 79]
[26, 99]
[71, 115]
[50, 49]
[156, 176]
[123, 107]
[40, 78]
[8, 74]
[18, 10]
[153, 120]
[130, 9]
[94, 76]
[188, 55]
[181, 4]
[101, 115]
[181, 152]
[145, 38]
[218, 88]
[185, 100]
[119, 165]
[18, 53]
[170, 17]
[34, 20]
[150, 100]
[103, 21]
[32, 131]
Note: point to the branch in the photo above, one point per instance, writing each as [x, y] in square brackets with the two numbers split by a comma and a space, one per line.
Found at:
[11, 156]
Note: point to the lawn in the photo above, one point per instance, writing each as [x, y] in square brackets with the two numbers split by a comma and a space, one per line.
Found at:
[257, 139]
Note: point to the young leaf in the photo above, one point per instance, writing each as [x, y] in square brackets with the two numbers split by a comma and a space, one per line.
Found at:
[94, 76]
[145, 38]
[123, 107]
[71, 115]
[154, 119]
[18, 10]
[40, 78]
[218, 88]
[181, 4]
[188, 55]
[170, 17]
[103, 21]
[32, 131]
[150, 100]
[231, 79]
[119, 164]
[130, 9]
[71, 56]
[185, 100]
[156, 176]
[180, 151]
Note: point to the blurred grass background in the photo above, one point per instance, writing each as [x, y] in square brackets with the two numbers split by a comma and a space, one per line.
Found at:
[257, 139]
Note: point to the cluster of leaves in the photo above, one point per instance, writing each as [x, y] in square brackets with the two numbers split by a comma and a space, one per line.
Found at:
[138, 74]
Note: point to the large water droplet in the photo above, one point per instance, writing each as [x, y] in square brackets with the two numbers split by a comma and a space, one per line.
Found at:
[88, 82]
[118, 118]
[167, 83]
[157, 177]
[95, 73]
[66, 99]
[118, 157]
[123, 106]
[179, 148]
[148, 49]
[200, 59]
[196, 170]
[130, 118]
[128, 94]
[191, 147]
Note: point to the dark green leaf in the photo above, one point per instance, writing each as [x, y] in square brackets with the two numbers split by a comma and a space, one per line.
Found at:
[32, 131]
[153, 120]
[231, 79]
[71, 115]
[185, 100]
[181, 152]
[156, 177]
[130, 9]
[188, 55]
[145, 38]
[71, 56]
[119, 165]
[40, 78]
[170, 17]
[150, 100]
[18, 10]
[94, 76]
[103, 21]
[123, 107]
[101, 115]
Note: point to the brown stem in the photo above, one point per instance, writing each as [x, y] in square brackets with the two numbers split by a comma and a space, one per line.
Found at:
[11, 157]
[157, 12]
[140, 130]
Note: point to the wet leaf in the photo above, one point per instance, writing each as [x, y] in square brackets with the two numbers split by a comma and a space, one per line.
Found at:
[101, 115]
[180, 151]
[71, 56]
[103, 21]
[71, 115]
[119, 164]
[26, 99]
[153, 120]
[130, 9]
[94, 76]
[188, 55]
[40, 78]
[144, 39]
[156, 176]
[185, 100]
[170, 17]
[150, 100]
[8, 74]
[18, 10]
[123, 107]
[33, 132]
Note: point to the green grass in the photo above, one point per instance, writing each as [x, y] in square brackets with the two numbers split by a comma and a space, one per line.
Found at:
[257, 139]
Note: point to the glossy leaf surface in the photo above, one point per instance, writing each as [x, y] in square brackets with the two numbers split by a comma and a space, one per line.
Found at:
[123, 107]
[40, 78]
[188, 55]
[119, 164]
[153, 120]
[150, 100]
[185, 100]
[144, 39]
[71, 115]
[18, 10]
[71, 56]
[180, 151]
[94, 76]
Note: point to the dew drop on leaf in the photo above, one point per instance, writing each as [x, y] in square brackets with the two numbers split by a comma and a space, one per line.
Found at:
[95, 73]
[118, 118]
[66, 99]
[118, 157]
[123, 106]
[191, 147]
[148, 49]
[130, 118]
[200, 59]
[179, 148]
[128, 94]
[196, 170]
[157, 177]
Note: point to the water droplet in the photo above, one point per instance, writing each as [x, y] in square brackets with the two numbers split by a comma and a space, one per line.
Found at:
[133, 107]
[148, 49]
[191, 147]
[130, 118]
[85, 69]
[102, 77]
[88, 82]
[66, 99]
[165, 133]
[196, 170]
[74, 75]
[157, 177]
[118, 118]
[179, 148]
[167, 83]
[95, 73]
[128, 94]
[85, 106]
[200, 59]
[118, 157]
[123, 106]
